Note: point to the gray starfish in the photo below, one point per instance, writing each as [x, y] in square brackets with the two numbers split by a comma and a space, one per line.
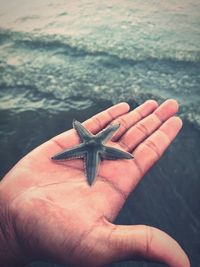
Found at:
[92, 149]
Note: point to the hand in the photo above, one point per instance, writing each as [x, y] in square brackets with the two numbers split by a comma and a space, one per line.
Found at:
[51, 213]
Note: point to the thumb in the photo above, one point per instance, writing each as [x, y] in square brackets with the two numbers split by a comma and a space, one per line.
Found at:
[141, 241]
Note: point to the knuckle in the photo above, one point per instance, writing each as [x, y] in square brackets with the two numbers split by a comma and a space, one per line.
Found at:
[97, 121]
[124, 145]
[110, 115]
[123, 123]
[150, 144]
[142, 128]
[149, 237]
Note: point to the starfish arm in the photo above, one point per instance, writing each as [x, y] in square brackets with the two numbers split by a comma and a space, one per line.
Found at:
[91, 165]
[83, 133]
[114, 153]
[106, 134]
[72, 153]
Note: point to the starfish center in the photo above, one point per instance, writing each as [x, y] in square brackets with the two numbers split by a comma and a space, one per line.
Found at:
[92, 144]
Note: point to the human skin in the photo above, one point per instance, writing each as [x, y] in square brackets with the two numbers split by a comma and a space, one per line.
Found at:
[49, 212]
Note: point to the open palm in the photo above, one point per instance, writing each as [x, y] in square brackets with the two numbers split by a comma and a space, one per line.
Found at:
[55, 215]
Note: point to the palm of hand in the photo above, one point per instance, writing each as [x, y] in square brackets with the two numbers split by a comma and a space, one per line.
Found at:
[60, 217]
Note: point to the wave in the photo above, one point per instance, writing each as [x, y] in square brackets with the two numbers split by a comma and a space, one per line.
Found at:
[56, 73]
[80, 47]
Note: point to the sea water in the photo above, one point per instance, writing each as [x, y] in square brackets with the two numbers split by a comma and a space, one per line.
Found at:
[58, 58]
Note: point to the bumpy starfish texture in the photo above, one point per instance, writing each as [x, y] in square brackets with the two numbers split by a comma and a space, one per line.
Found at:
[93, 149]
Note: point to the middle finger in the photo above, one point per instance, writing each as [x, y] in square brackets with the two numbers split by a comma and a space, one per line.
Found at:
[129, 119]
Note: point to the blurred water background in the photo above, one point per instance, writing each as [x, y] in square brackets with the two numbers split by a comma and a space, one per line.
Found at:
[61, 60]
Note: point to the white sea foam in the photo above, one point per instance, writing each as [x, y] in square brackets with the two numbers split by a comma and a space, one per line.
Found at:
[115, 50]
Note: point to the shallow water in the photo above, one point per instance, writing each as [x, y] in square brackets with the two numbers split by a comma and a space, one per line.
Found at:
[53, 51]
[74, 57]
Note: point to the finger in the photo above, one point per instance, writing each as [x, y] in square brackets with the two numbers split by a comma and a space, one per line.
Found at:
[148, 125]
[147, 153]
[129, 119]
[94, 124]
[139, 242]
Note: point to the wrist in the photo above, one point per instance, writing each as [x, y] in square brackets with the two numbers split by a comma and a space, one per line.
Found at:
[10, 254]
[7, 259]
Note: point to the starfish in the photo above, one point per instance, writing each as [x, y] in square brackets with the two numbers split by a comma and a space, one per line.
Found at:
[93, 149]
